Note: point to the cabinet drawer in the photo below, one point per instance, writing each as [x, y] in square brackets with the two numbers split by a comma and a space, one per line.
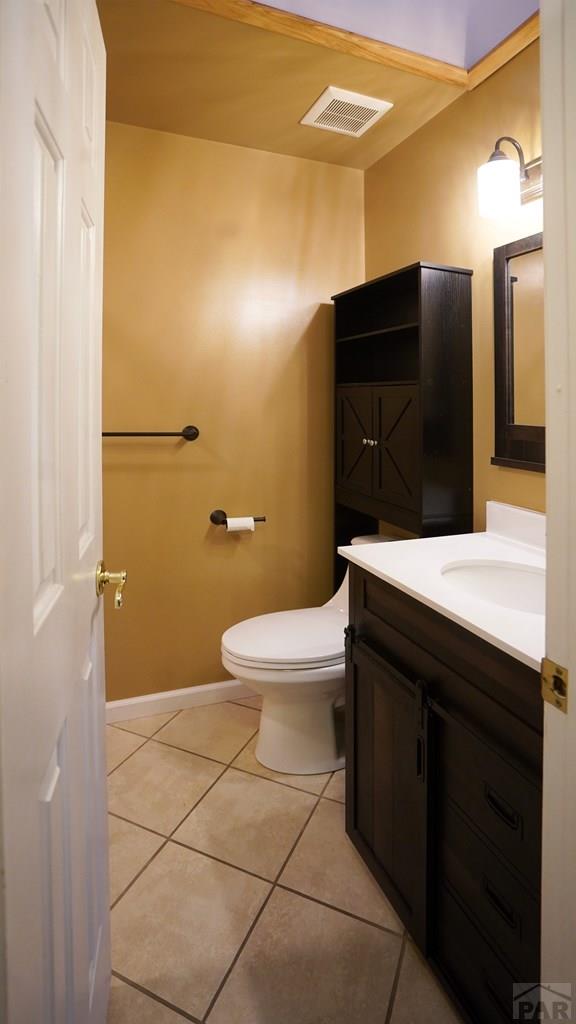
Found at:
[508, 914]
[483, 983]
[501, 802]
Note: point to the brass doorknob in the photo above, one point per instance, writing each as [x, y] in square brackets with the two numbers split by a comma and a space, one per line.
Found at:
[103, 578]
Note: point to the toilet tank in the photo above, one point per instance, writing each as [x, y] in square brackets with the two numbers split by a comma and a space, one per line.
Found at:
[340, 599]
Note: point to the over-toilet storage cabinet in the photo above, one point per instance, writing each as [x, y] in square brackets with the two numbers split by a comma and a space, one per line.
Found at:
[403, 369]
[444, 774]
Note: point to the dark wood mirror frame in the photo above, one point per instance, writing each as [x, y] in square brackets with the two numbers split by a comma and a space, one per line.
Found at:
[517, 446]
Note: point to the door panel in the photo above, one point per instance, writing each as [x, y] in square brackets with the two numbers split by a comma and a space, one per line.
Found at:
[390, 783]
[353, 431]
[54, 941]
[397, 463]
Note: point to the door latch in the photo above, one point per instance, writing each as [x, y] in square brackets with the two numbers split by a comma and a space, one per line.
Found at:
[554, 679]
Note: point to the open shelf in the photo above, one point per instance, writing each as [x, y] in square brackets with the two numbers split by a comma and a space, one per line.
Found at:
[379, 356]
[381, 330]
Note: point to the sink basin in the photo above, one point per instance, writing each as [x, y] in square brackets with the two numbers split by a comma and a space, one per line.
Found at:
[508, 584]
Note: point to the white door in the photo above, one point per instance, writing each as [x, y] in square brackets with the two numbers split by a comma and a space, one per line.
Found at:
[558, 19]
[54, 944]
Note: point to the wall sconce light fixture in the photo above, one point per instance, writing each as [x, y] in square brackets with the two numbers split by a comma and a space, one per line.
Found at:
[504, 183]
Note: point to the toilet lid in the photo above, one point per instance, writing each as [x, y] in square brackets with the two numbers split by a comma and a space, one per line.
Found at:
[307, 637]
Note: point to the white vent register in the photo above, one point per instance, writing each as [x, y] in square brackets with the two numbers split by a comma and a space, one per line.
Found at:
[344, 112]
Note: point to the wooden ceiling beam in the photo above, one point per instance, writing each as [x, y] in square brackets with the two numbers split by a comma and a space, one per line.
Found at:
[250, 12]
[509, 48]
[261, 16]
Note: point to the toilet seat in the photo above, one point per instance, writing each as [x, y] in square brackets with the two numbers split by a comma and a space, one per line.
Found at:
[306, 638]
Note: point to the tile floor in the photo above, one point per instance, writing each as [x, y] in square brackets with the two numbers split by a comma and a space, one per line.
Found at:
[236, 896]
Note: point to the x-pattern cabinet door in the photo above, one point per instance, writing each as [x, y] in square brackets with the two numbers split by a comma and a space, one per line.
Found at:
[354, 432]
[396, 456]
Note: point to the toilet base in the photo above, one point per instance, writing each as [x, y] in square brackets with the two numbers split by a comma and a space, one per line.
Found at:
[298, 737]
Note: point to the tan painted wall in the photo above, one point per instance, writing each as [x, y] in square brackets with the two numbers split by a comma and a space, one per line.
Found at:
[219, 267]
[421, 204]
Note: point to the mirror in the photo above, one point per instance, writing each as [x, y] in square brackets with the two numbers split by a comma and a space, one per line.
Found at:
[519, 354]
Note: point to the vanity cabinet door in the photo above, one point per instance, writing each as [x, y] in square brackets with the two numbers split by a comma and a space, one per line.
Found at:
[397, 467]
[353, 432]
[387, 781]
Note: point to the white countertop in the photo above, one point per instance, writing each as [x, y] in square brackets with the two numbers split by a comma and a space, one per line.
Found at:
[414, 566]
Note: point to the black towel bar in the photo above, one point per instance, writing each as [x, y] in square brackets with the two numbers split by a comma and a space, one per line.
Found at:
[188, 433]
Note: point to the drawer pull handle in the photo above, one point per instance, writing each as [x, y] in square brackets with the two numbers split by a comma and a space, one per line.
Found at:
[500, 905]
[501, 809]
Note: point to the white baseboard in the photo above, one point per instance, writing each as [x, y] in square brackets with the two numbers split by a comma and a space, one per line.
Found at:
[175, 700]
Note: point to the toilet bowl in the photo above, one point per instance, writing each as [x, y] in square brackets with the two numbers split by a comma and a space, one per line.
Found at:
[295, 661]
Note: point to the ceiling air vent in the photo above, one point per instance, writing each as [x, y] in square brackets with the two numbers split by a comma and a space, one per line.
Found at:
[344, 112]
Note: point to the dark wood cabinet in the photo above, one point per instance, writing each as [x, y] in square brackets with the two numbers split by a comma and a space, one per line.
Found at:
[404, 402]
[377, 442]
[389, 781]
[444, 790]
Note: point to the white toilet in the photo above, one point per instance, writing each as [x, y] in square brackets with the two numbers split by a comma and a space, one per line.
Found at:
[295, 660]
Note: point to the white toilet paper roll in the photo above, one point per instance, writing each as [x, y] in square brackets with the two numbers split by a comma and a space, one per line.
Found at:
[235, 524]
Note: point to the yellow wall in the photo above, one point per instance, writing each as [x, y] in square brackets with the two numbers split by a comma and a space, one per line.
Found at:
[420, 203]
[219, 266]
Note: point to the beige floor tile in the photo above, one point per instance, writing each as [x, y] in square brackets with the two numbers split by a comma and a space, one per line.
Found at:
[246, 760]
[336, 788]
[130, 848]
[128, 1006]
[146, 726]
[325, 865]
[159, 785]
[308, 964]
[249, 702]
[215, 730]
[119, 746]
[420, 996]
[178, 928]
[247, 821]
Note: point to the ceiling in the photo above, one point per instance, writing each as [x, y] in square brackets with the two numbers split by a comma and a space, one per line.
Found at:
[181, 70]
[456, 31]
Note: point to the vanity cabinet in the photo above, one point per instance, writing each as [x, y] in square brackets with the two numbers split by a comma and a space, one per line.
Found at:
[404, 402]
[444, 790]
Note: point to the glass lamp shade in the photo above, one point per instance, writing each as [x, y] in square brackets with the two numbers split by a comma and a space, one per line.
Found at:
[498, 188]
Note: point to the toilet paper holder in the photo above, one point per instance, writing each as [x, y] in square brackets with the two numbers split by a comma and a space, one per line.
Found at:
[220, 518]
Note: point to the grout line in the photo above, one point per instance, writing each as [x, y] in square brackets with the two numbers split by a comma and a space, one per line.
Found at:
[130, 821]
[237, 955]
[396, 982]
[132, 732]
[198, 801]
[333, 800]
[225, 768]
[137, 876]
[131, 754]
[146, 828]
[156, 998]
[243, 944]
[185, 750]
[257, 775]
[219, 860]
[340, 910]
